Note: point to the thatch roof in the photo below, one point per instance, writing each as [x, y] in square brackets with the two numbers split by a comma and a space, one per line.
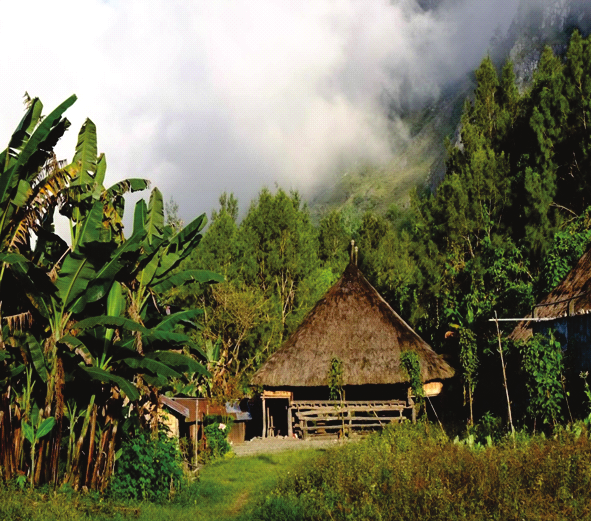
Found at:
[355, 324]
[571, 297]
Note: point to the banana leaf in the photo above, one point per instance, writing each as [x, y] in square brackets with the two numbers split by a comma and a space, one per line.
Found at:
[38, 147]
[18, 140]
[116, 300]
[140, 215]
[186, 277]
[23, 193]
[127, 185]
[25, 128]
[170, 321]
[83, 166]
[103, 376]
[76, 274]
[49, 247]
[13, 258]
[146, 274]
[90, 229]
[99, 177]
[45, 427]
[15, 371]
[156, 367]
[155, 217]
[103, 279]
[122, 322]
[179, 361]
[181, 245]
[29, 432]
[174, 339]
[75, 344]
[37, 357]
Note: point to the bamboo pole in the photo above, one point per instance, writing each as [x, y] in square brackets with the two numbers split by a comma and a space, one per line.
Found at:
[264, 419]
[505, 378]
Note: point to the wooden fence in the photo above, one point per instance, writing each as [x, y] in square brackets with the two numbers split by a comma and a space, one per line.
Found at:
[321, 416]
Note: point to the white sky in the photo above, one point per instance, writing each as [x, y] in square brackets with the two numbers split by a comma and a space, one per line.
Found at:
[213, 95]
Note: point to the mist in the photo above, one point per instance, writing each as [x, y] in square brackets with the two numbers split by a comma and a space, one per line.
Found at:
[203, 97]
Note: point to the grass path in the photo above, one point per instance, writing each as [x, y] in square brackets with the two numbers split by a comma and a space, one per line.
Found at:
[229, 489]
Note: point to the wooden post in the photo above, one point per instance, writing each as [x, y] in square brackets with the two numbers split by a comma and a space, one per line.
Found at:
[264, 419]
[411, 404]
[505, 377]
[289, 425]
[193, 436]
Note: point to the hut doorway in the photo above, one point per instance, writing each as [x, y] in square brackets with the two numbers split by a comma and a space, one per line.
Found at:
[276, 414]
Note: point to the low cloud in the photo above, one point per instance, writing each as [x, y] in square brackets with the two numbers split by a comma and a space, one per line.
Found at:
[204, 96]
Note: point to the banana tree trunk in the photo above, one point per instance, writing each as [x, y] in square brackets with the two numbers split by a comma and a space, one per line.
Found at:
[58, 413]
[100, 460]
[74, 471]
[91, 445]
[110, 466]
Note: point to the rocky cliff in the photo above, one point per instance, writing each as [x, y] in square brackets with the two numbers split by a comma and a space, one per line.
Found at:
[541, 23]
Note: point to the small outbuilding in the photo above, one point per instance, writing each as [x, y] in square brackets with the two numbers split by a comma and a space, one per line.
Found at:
[354, 324]
[566, 311]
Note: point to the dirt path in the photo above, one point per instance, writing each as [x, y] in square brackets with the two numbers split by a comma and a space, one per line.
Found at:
[268, 445]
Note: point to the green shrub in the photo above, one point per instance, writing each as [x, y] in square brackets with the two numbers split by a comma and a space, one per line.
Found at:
[490, 427]
[216, 430]
[148, 468]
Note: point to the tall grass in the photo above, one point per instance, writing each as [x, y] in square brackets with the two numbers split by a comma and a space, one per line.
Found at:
[413, 472]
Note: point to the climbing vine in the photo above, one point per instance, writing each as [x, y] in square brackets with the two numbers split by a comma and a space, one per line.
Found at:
[542, 363]
[335, 379]
[410, 362]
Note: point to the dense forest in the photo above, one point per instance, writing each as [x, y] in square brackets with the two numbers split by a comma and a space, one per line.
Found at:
[500, 231]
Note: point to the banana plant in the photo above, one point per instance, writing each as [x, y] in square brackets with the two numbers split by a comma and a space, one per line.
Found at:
[161, 252]
[33, 435]
[89, 301]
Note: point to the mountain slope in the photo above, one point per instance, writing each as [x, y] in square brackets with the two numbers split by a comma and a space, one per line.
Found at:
[420, 159]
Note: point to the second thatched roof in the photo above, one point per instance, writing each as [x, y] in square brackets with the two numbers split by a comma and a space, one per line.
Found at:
[571, 297]
[353, 323]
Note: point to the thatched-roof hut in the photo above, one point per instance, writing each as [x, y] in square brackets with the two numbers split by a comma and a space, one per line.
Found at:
[353, 323]
[565, 310]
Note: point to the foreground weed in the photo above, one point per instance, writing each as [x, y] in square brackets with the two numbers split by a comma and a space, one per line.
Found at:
[412, 472]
